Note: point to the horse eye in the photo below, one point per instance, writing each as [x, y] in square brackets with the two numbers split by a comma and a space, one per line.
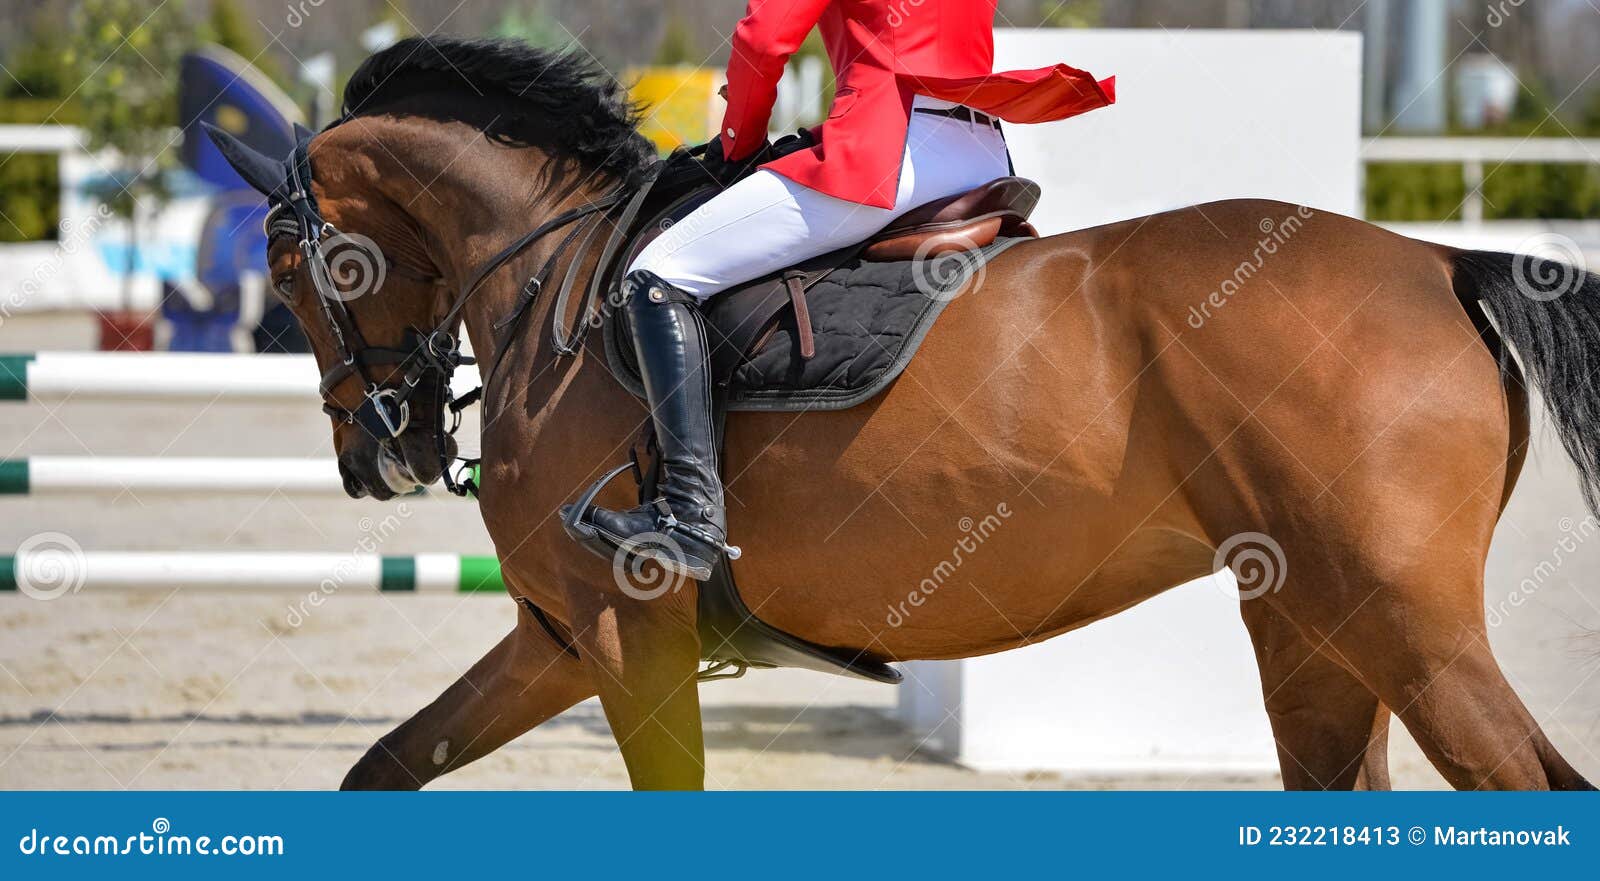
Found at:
[283, 286]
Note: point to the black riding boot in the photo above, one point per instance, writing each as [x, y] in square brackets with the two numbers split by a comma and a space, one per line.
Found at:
[684, 530]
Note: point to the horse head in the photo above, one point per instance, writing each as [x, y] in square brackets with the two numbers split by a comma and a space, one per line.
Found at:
[370, 299]
[383, 225]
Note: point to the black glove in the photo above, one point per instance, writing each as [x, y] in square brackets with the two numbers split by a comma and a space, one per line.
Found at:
[800, 140]
[726, 172]
[682, 171]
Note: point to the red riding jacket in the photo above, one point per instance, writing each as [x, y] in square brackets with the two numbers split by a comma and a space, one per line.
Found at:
[883, 53]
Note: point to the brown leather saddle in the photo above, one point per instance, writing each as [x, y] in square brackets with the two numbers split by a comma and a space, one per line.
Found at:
[959, 223]
[797, 340]
[832, 331]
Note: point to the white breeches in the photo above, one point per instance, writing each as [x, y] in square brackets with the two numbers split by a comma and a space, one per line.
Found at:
[767, 222]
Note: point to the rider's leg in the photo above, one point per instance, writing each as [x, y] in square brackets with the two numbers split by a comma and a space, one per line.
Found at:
[759, 225]
[685, 528]
[767, 222]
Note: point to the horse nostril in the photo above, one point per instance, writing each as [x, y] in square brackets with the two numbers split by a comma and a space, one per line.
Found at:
[353, 486]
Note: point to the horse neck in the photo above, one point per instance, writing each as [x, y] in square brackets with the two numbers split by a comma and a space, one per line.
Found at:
[532, 384]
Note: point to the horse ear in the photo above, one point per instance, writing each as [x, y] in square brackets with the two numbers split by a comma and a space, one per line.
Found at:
[266, 175]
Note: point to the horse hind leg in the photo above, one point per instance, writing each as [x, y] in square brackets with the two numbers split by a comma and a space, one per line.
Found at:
[1417, 639]
[1331, 731]
[1456, 702]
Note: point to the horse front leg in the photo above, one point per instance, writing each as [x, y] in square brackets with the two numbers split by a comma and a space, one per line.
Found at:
[522, 682]
[644, 654]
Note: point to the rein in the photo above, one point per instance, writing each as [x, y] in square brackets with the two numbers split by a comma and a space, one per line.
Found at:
[433, 356]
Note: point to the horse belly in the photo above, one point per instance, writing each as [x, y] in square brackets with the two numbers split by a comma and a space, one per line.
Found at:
[985, 501]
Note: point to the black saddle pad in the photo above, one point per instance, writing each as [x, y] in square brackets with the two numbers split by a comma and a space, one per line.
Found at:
[867, 318]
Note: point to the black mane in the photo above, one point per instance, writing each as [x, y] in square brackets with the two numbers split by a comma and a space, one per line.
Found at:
[570, 99]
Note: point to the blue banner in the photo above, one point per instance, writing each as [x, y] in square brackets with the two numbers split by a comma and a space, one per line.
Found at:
[794, 835]
[216, 86]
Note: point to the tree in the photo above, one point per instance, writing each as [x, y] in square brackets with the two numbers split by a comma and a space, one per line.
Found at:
[677, 45]
[1071, 13]
[34, 94]
[532, 25]
[1542, 191]
[398, 14]
[1591, 114]
[125, 56]
[227, 27]
[35, 67]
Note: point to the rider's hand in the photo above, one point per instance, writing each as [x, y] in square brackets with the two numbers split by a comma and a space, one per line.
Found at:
[726, 171]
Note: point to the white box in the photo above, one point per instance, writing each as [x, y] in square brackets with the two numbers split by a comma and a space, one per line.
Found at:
[1169, 686]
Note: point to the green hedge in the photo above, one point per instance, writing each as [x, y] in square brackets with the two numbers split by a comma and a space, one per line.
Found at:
[1402, 192]
[1434, 191]
[30, 191]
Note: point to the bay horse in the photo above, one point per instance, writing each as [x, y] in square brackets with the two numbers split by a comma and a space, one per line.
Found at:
[1133, 397]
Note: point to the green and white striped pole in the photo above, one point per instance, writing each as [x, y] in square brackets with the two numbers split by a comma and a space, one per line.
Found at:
[52, 475]
[48, 570]
[160, 376]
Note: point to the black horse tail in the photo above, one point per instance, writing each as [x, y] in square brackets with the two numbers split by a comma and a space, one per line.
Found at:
[1549, 312]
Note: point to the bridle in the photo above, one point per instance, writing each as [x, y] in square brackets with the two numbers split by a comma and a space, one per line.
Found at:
[430, 357]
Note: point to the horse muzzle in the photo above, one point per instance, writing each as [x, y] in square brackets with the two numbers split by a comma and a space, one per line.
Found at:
[385, 469]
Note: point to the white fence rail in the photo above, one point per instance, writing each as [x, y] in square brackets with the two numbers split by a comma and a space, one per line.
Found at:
[39, 139]
[1477, 154]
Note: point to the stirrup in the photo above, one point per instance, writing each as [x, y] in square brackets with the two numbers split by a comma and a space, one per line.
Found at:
[575, 521]
[579, 528]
